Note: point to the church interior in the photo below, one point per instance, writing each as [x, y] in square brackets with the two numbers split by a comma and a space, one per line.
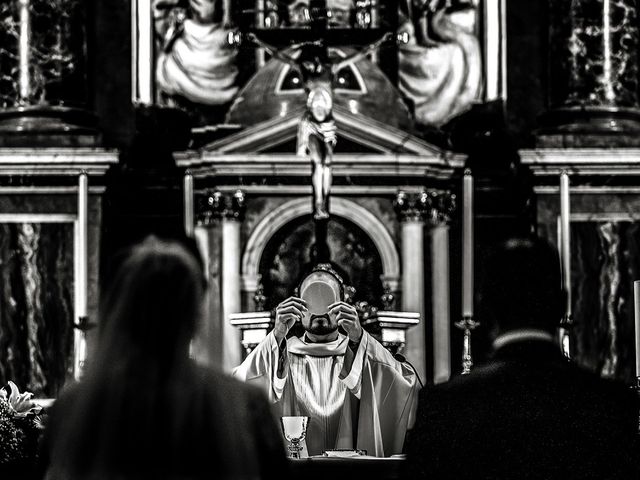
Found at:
[397, 142]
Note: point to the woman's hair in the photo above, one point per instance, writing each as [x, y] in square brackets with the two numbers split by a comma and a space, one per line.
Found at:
[152, 305]
[137, 393]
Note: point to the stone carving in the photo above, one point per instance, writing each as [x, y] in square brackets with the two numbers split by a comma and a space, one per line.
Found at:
[434, 206]
[195, 60]
[215, 205]
[441, 64]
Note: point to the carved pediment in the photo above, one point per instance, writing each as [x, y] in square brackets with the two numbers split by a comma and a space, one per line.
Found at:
[370, 135]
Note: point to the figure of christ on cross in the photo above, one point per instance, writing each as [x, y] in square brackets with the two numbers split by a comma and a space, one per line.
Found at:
[317, 130]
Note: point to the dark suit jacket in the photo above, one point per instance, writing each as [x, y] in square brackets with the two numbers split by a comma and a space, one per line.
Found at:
[529, 413]
[202, 425]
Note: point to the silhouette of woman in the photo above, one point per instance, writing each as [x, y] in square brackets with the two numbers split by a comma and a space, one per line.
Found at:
[145, 409]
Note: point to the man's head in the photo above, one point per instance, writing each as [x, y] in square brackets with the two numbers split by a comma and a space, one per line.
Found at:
[521, 287]
[320, 289]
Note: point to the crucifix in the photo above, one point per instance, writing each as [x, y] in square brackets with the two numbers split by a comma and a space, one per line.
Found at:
[317, 132]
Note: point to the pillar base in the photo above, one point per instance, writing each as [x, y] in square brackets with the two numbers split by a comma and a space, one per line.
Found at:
[48, 125]
[586, 126]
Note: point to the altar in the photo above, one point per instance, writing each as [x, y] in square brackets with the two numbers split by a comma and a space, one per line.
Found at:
[347, 468]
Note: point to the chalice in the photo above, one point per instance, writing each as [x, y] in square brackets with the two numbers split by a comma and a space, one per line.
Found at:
[294, 429]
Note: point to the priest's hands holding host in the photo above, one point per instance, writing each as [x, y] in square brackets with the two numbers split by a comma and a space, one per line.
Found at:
[318, 327]
[355, 393]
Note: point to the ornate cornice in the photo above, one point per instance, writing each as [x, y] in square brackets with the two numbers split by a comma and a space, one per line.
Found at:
[374, 165]
[582, 161]
[56, 162]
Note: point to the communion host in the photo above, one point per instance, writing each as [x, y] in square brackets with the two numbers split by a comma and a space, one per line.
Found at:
[355, 393]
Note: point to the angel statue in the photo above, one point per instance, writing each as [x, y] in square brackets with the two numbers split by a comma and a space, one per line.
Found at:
[441, 64]
[195, 61]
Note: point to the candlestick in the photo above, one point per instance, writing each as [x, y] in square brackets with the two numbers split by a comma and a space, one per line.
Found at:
[24, 54]
[467, 325]
[81, 274]
[565, 256]
[467, 249]
[636, 298]
[143, 53]
[188, 205]
[636, 303]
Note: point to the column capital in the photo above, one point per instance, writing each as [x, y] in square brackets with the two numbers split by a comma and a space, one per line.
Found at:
[443, 205]
[411, 208]
[214, 205]
[433, 206]
[236, 206]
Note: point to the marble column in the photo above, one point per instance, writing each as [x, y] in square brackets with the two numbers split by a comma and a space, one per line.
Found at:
[411, 213]
[231, 285]
[443, 205]
[81, 280]
[209, 210]
[206, 344]
[593, 69]
[188, 204]
[44, 64]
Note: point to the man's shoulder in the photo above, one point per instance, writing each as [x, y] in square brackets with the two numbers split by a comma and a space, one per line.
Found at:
[498, 378]
[226, 385]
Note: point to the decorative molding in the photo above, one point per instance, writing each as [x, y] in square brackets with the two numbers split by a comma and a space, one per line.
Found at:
[251, 282]
[605, 217]
[583, 161]
[261, 136]
[210, 164]
[306, 190]
[38, 218]
[56, 161]
[589, 189]
[358, 128]
[340, 207]
[48, 190]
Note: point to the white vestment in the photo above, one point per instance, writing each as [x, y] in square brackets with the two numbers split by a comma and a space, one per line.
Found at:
[364, 399]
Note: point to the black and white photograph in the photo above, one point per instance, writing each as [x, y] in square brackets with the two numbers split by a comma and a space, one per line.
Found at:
[319, 239]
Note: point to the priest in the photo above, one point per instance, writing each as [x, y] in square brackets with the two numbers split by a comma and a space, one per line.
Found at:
[355, 393]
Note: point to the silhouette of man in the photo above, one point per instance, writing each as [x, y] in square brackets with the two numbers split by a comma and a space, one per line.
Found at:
[529, 412]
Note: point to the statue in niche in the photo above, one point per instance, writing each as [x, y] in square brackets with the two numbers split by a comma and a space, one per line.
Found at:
[441, 65]
[195, 60]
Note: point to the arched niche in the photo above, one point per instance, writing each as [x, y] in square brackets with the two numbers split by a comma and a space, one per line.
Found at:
[290, 211]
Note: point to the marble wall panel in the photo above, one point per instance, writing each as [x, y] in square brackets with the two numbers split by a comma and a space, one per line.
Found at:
[36, 305]
[605, 262]
[594, 53]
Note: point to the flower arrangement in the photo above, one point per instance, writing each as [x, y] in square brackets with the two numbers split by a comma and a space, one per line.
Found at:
[20, 428]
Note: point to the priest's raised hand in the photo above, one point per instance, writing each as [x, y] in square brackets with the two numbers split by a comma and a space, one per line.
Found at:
[347, 317]
[288, 313]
